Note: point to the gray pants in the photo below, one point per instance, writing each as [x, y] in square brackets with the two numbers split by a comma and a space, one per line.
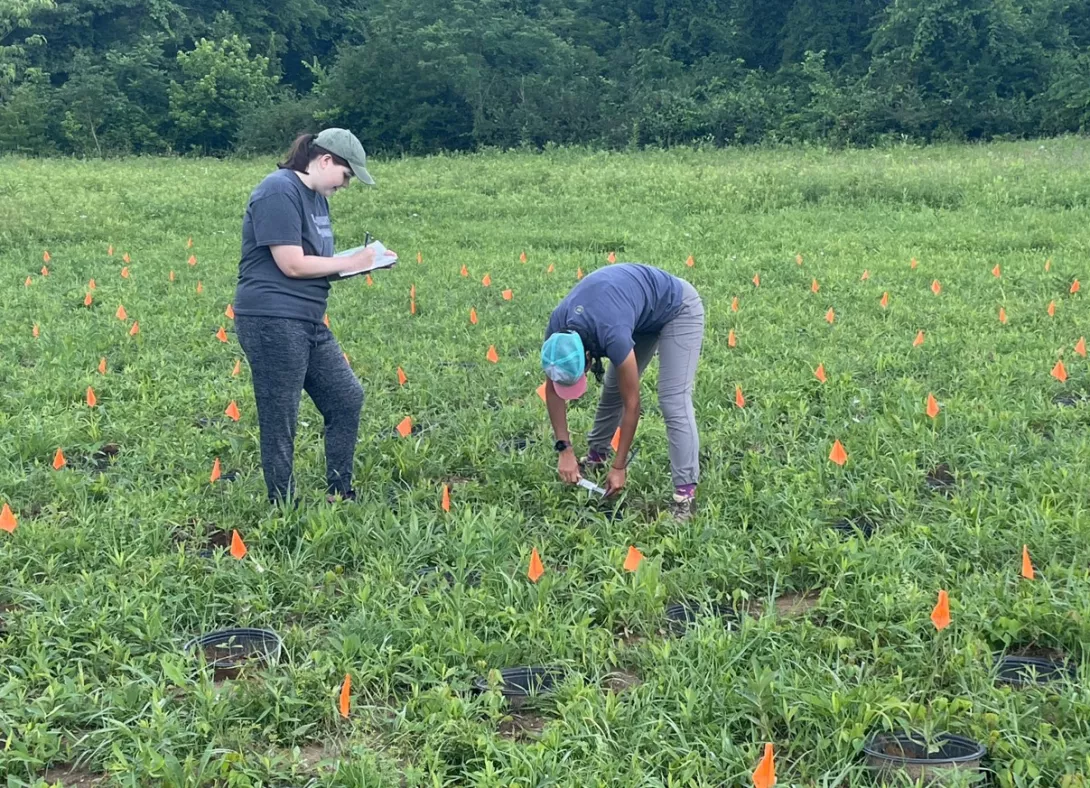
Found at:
[678, 345]
[288, 357]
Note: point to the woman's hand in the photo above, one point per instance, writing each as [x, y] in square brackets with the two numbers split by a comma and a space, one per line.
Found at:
[615, 481]
[568, 466]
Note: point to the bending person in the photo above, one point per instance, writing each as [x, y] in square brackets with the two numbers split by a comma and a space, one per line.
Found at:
[626, 312]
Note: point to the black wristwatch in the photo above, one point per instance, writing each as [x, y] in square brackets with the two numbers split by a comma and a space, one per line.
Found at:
[562, 445]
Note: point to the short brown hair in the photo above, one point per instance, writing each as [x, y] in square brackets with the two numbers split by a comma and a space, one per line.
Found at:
[304, 151]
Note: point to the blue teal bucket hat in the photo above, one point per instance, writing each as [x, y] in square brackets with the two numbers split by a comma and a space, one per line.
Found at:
[565, 363]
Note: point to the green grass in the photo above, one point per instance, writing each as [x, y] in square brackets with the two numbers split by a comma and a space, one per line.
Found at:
[103, 583]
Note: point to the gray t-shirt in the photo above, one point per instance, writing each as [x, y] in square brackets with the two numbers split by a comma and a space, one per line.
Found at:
[615, 303]
[282, 211]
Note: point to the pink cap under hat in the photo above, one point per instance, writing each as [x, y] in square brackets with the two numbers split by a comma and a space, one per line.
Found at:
[574, 391]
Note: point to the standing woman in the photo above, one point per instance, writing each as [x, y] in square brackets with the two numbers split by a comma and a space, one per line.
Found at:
[280, 305]
[625, 312]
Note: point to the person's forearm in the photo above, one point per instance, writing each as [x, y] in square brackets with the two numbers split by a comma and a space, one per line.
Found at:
[558, 412]
[315, 267]
[629, 422]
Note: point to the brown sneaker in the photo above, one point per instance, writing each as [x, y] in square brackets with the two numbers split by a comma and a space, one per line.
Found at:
[682, 507]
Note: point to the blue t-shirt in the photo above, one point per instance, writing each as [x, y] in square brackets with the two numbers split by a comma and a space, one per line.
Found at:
[612, 305]
[282, 212]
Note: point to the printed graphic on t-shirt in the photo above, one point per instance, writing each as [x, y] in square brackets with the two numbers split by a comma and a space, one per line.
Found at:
[322, 223]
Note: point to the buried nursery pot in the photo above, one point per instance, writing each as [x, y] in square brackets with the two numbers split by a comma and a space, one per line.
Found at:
[898, 756]
[941, 480]
[862, 525]
[229, 650]
[1020, 671]
[516, 445]
[520, 685]
[681, 615]
[471, 579]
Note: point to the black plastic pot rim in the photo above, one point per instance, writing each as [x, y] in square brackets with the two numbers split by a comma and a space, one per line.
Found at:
[557, 673]
[979, 752]
[223, 635]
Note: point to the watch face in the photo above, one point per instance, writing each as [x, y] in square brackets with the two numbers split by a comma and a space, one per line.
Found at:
[561, 445]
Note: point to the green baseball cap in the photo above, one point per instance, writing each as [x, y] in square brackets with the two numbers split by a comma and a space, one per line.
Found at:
[344, 143]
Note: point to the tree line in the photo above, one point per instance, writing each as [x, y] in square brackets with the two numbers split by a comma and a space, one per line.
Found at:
[110, 77]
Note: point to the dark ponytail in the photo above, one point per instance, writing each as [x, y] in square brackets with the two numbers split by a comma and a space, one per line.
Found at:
[303, 152]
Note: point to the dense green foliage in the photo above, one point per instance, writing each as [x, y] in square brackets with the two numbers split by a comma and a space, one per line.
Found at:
[114, 76]
[103, 581]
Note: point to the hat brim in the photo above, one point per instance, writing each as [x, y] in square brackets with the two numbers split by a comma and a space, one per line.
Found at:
[361, 172]
[574, 391]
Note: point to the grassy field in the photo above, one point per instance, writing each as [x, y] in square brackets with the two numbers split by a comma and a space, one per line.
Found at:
[830, 640]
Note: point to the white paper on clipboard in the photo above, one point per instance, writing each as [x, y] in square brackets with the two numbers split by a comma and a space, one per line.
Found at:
[383, 259]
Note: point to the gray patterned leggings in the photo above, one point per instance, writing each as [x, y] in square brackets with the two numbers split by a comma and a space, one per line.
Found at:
[288, 357]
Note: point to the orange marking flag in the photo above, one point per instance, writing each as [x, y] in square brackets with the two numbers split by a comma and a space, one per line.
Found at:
[885, 300]
[135, 328]
[8, 521]
[125, 272]
[1027, 565]
[401, 379]
[541, 392]
[537, 569]
[121, 313]
[1002, 315]
[616, 442]
[522, 257]
[739, 400]
[87, 300]
[487, 281]
[632, 560]
[814, 286]
[405, 427]
[1059, 372]
[995, 271]
[690, 262]
[1080, 347]
[830, 316]
[732, 340]
[1052, 309]
[238, 547]
[58, 460]
[932, 406]
[346, 696]
[232, 411]
[508, 295]
[613, 258]
[91, 285]
[230, 312]
[578, 273]
[918, 340]
[1075, 286]
[237, 369]
[221, 335]
[102, 366]
[92, 400]
[465, 271]
[215, 471]
[865, 276]
[445, 502]
[492, 355]
[936, 288]
[192, 259]
[940, 616]
[819, 373]
[473, 315]
[838, 455]
[756, 280]
[764, 776]
[734, 304]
